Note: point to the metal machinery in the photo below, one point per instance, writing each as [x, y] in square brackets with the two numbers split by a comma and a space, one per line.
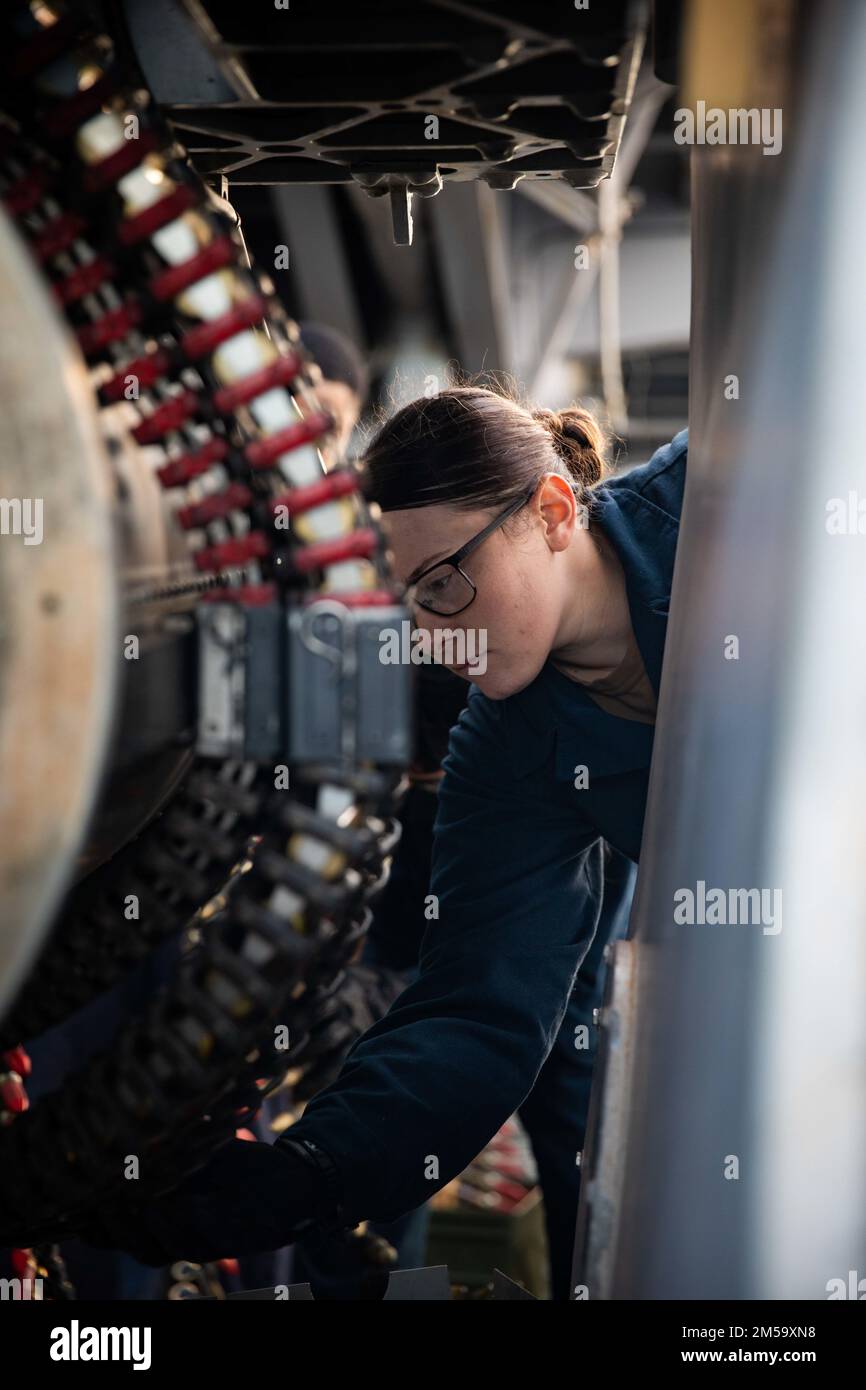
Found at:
[198, 565]
[191, 708]
[727, 1148]
[156, 399]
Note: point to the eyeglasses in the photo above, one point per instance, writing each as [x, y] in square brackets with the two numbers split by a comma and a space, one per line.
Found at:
[446, 589]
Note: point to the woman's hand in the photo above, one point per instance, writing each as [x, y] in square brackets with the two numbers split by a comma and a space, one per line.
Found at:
[249, 1197]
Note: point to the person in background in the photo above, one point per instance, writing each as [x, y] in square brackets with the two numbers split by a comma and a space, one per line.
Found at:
[344, 383]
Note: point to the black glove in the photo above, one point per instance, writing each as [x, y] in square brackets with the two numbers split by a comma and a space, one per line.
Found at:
[248, 1198]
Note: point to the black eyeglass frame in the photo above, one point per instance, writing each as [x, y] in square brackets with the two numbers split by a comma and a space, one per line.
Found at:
[459, 555]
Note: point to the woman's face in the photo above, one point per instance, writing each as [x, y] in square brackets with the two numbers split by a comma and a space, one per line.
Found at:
[523, 574]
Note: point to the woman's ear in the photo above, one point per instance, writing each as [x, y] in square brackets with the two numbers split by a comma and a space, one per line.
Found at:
[558, 508]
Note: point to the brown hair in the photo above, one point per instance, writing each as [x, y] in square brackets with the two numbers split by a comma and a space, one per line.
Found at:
[476, 447]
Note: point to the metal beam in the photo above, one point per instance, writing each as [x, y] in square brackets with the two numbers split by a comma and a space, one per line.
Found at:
[470, 238]
[305, 216]
[733, 1166]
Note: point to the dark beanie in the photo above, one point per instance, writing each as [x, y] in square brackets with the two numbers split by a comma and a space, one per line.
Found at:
[337, 356]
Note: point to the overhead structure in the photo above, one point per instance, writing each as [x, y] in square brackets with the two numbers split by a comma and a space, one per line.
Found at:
[401, 103]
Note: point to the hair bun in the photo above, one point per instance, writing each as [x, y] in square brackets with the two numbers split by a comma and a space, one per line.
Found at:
[579, 441]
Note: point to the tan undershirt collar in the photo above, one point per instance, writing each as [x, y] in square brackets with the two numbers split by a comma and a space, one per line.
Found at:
[626, 690]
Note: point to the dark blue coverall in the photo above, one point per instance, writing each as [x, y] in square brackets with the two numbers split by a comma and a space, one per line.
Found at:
[555, 1112]
[518, 869]
[518, 872]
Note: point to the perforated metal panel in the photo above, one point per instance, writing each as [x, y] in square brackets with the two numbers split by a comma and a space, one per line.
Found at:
[328, 95]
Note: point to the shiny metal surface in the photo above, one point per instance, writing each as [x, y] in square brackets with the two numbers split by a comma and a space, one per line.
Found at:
[91, 743]
[58, 610]
[157, 587]
[744, 1142]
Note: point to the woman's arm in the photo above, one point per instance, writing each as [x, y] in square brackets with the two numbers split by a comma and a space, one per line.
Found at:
[519, 886]
[519, 883]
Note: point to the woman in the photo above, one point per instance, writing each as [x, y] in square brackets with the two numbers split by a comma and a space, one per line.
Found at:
[555, 1112]
[498, 521]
